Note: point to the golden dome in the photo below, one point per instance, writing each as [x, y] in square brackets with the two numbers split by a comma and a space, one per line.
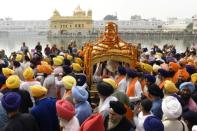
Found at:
[56, 13]
[79, 12]
[78, 9]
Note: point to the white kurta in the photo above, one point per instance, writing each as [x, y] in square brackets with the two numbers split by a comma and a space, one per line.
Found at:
[104, 105]
[139, 121]
[122, 85]
[171, 125]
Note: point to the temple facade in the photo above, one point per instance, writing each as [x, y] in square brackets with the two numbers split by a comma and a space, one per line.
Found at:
[79, 24]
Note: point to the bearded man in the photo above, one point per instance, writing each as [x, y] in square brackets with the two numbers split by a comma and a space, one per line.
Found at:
[116, 121]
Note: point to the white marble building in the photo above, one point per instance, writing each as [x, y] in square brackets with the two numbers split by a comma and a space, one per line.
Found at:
[194, 18]
[9, 25]
[132, 25]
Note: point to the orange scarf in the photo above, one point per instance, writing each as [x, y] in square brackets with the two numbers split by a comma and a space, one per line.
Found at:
[119, 78]
[130, 92]
[131, 88]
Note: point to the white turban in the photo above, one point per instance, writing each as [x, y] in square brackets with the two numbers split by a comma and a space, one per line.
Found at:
[171, 107]
[194, 128]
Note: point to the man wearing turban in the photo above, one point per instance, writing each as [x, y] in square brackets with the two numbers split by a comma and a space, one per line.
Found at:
[121, 79]
[105, 91]
[172, 110]
[186, 91]
[82, 106]
[44, 111]
[13, 84]
[17, 122]
[155, 94]
[28, 74]
[66, 113]
[116, 120]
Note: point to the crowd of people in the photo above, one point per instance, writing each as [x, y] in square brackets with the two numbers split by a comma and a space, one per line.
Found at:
[47, 90]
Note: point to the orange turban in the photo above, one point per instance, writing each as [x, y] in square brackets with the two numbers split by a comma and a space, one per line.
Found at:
[174, 66]
[180, 72]
[44, 69]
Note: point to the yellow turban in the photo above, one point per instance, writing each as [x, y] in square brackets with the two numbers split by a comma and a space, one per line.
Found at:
[69, 57]
[170, 87]
[78, 60]
[111, 82]
[194, 78]
[76, 67]
[37, 90]
[69, 82]
[60, 57]
[19, 57]
[57, 61]
[146, 67]
[13, 82]
[158, 55]
[28, 73]
[7, 72]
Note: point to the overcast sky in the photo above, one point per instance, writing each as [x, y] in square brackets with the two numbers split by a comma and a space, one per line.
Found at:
[43, 9]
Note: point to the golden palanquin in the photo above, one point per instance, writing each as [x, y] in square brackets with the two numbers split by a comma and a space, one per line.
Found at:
[108, 47]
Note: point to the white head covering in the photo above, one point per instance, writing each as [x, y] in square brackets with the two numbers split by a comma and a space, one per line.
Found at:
[194, 128]
[156, 68]
[171, 107]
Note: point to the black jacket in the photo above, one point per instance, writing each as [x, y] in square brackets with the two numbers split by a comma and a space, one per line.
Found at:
[21, 122]
[124, 125]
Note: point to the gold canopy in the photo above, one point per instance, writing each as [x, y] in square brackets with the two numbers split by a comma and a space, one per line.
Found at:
[108, 47]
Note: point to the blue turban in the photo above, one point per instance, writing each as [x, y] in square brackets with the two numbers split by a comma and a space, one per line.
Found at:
[150, 78]
[155, 90]
[159, 62]
[67, 62]
[67, 69]
[11, 101]
[144, 49]
[170, 59]
[122, 70]
[2, 79]
[79, 93]
[164, 73]
[104, 88]
[131, 73]
[81, 79]
[153, 123]
[190, 69]
[190, 85]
